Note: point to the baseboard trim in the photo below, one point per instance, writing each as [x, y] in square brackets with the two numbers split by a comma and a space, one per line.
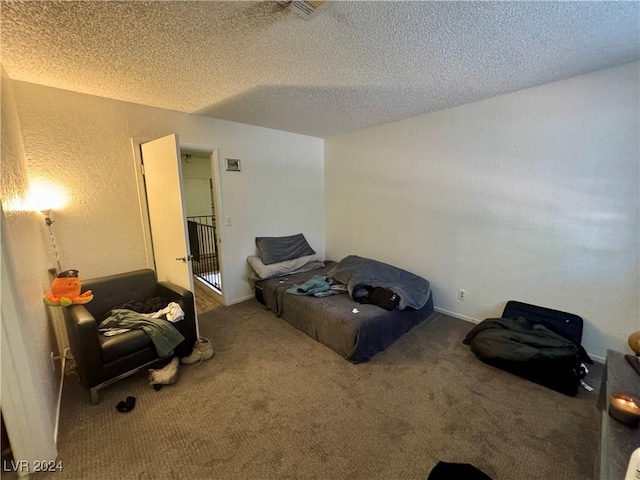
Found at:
[457, 315]
[597, 358]
[241, 299]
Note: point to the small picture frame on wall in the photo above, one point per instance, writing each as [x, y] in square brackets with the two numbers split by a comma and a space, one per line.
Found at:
[233, 164]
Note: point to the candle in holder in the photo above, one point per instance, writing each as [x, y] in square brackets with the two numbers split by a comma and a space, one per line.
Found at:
[625, 409]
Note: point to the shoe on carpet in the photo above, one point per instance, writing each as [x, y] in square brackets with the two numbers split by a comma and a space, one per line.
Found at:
[166, 375]
[126, 405]
[202, 350]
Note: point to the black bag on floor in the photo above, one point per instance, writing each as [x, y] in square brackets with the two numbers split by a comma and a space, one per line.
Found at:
[536, 343]
[456, 471]
[382, 297]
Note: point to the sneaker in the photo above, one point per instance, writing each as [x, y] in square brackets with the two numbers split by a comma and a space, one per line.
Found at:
[202, 350]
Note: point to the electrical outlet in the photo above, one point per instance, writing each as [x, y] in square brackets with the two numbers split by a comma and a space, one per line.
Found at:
[462, 294]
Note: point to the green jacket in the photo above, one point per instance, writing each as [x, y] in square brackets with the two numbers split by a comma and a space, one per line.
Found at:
[163, 334]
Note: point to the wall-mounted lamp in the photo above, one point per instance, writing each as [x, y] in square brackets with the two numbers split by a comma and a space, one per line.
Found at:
[45, 196]
[49, 223]
[47, 217]
[42, 196]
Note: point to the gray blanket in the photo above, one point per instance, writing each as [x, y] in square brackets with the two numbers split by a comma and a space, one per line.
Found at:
[356, 272]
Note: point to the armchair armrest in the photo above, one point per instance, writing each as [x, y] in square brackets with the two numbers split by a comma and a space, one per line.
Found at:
[82, 330]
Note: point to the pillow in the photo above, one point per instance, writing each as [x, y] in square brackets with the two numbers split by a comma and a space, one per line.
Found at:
[297, 265]
[280, 249]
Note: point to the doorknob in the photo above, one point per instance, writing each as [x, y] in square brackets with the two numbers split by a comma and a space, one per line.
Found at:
[185, 258]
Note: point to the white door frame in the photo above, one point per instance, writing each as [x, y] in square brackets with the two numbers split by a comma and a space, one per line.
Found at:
[144, 209]
[142, 200]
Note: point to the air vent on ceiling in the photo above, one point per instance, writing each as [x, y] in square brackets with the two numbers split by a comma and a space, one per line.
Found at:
[303, 8]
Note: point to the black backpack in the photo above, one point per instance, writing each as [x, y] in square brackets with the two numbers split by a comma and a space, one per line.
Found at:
[379, 296]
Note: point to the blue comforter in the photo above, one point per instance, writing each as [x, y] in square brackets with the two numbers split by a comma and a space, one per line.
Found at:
[355, 272]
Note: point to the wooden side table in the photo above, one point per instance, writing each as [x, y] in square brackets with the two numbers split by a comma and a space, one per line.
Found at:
[618, 441]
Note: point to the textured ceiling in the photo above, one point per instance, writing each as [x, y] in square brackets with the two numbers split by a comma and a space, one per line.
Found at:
[354, 65]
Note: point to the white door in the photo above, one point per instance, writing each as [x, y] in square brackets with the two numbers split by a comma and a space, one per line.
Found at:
[167, 216]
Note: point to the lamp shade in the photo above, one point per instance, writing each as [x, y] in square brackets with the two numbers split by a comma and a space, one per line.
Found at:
[44, 195]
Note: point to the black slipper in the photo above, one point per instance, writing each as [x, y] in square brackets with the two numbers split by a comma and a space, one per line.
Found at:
[130, 402]
[126, 405]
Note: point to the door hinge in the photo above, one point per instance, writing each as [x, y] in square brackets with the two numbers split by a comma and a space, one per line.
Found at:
[142, 168]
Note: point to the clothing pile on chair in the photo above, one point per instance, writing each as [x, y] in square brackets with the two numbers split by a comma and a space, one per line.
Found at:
[154, 316]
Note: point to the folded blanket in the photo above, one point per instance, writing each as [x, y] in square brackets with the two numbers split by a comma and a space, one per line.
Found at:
[288, 267]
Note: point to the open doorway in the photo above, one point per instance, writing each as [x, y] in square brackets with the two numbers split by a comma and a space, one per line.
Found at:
[200, 190]
[164, 174]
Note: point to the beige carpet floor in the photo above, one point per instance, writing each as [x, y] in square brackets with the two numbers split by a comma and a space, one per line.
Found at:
[273, 403]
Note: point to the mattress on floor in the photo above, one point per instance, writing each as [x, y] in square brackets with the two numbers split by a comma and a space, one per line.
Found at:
[331, 321]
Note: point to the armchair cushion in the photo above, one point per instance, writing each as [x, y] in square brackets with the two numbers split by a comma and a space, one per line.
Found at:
[123, 344]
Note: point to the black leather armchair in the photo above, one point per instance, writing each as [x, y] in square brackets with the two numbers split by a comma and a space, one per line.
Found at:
[102, 360]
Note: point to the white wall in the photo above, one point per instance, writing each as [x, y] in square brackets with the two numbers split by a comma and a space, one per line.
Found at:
[84, 143]
[197, 196]
[531, 196]
[280, 190]
[196, 182]
[198, 166]
[25, 358]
